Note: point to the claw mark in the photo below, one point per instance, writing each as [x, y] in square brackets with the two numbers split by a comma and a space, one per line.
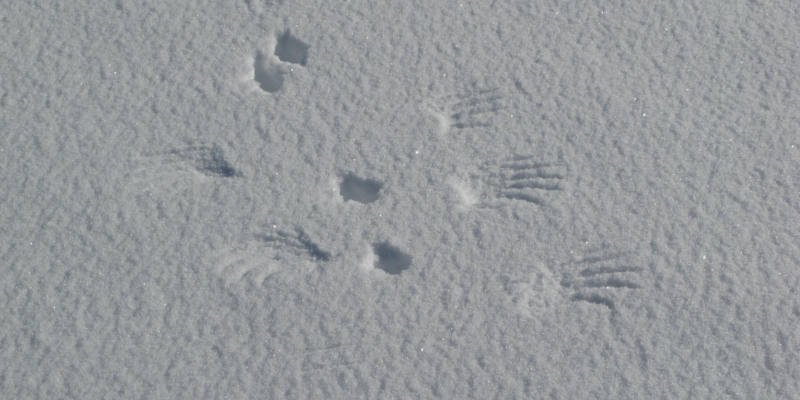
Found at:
[609, 283]
[207, 160]
[594, 299]
[592, 259]
[525, 179]
[266, 255]
[249, 262]
[522, 196]
[608, 270]
[539, 174]
[601, 280]
[471, 109]
[526, 184]
[298, 242]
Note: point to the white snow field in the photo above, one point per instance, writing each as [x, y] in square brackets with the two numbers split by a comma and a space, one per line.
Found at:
[300, 199]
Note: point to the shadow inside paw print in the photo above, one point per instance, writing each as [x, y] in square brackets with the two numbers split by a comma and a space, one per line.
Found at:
[291, 49]
[268, 75]
[390, 259]
[358, 189]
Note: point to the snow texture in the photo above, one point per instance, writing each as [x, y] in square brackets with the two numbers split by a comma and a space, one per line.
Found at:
[259, 199]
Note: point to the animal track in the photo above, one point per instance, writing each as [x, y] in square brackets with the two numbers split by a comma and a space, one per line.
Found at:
[298, 242]
[600, 278]
[359, 189]
[516, 179]
[390, 259]
[209, 161]
[268, 67]
[522, 178]
[268, 254]
[267, 74]
[291, 49]
[538, 292]
[475, 108]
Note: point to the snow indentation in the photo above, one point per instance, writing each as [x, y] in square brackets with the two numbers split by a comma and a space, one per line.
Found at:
[358, 189]
[390, 259]
[290, 49]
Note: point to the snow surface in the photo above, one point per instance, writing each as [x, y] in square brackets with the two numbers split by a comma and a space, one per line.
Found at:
[378, 199]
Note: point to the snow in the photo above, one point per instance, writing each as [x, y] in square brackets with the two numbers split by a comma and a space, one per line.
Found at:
[299, 199]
